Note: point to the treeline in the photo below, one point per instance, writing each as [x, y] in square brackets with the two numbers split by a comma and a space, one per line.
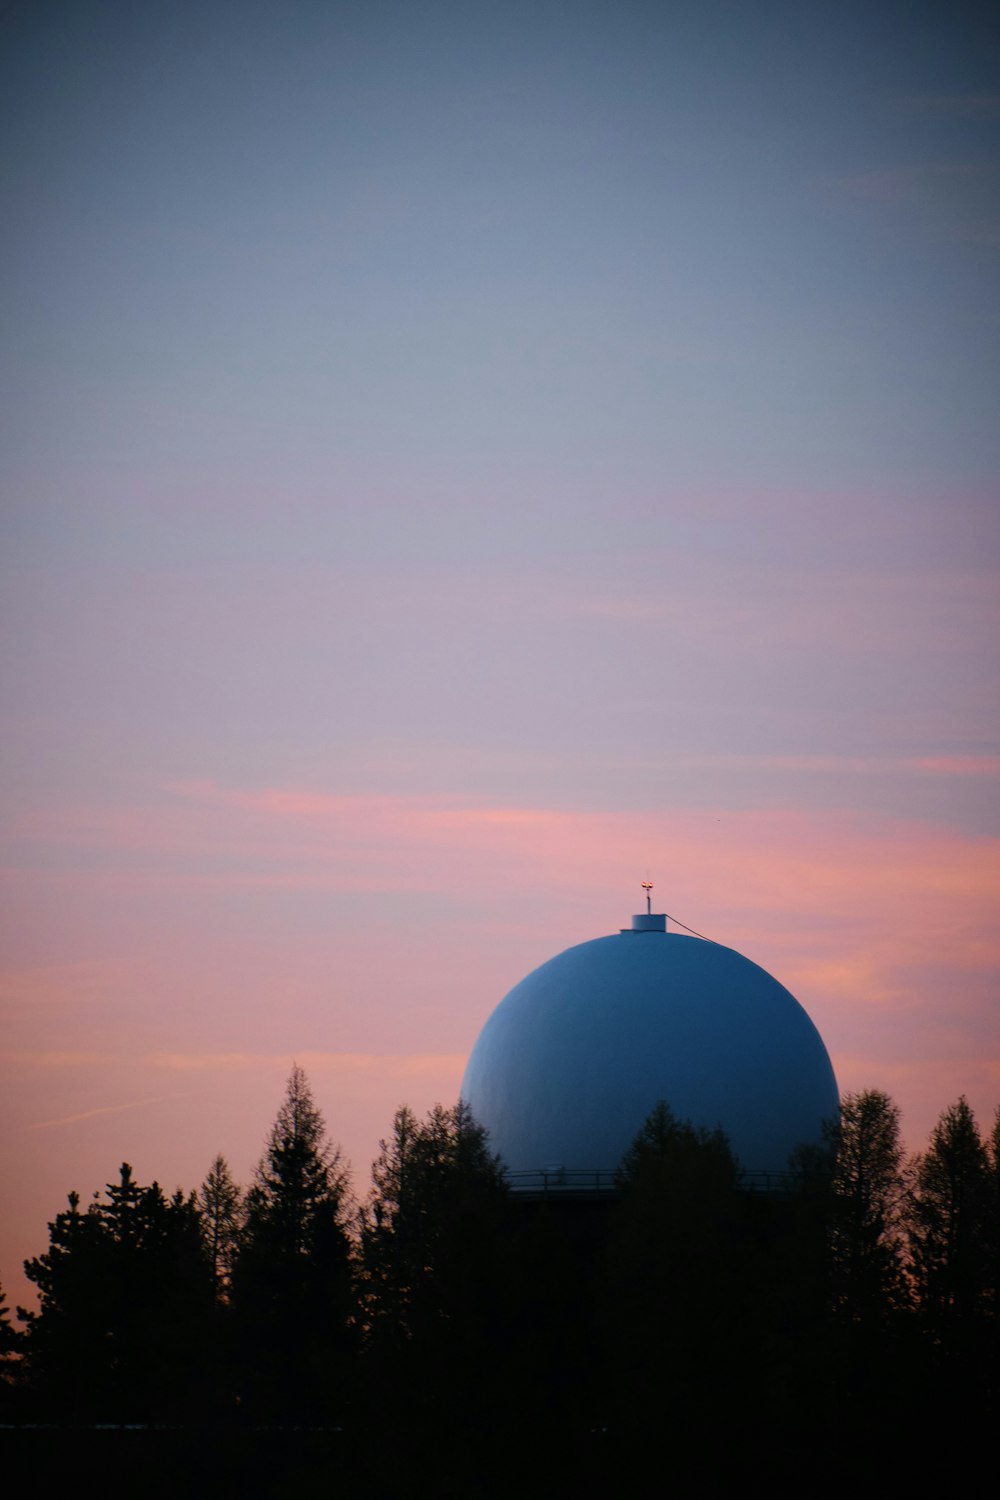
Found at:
[848, 1310]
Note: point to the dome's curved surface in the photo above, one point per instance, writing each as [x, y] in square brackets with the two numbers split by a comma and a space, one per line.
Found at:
[571, 1062]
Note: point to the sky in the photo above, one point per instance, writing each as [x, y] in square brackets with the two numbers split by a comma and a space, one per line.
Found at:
[462, 460]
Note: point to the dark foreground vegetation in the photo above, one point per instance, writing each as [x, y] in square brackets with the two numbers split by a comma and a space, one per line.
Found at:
[448, 1337]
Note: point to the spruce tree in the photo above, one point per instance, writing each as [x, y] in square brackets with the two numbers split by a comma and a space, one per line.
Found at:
[291, 1291]
[220, 1202]
[948, 1221]
[434, 1265]
[10, 1347]
[868, 1198]
[124, 1292]
[993, 1222]
[672, 1276]
[435, 1183]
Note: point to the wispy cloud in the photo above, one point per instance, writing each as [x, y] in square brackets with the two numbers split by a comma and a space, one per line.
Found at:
[957, 765]
[390, 1064]
[380, 813]
[92, 1114]
[218, 837]
[61, 1057]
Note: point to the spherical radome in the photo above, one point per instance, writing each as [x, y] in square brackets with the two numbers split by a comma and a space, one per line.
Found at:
[572, 1061]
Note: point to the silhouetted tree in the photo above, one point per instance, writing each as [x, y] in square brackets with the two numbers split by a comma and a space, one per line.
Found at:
[868, 1197]
[948, 1219]
[674, 1275]
[675, 1158]
[124, 1292]
[9, 1338]
[290, 1290]
[65, 1339]
[10, 1348]
[993, 1269]
[432, 1267]
[436, 1187]
[220, 1202]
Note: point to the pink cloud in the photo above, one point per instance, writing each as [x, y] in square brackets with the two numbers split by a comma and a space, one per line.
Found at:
[183, 959]
[792, 862]
[958, 765]
[846, 908]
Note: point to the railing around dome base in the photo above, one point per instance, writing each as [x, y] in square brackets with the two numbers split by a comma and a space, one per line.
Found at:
[590, 1180]
[563, 1180]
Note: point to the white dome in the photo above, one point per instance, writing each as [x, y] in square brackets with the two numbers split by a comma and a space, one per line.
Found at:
[569, 1065]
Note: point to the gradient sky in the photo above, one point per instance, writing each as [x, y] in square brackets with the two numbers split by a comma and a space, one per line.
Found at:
[462, 459]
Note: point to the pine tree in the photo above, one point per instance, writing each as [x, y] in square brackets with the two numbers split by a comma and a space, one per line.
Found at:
[993, 1237]
[948, 1221]
[220, 1202]
[124, 1289]
[10, 1348]
[678, 1156]
[671, 1269]
[9, 1341]
[65, 1339]
[435, 1278]
[291, 1290]
[868, 1197]
[433, 1185]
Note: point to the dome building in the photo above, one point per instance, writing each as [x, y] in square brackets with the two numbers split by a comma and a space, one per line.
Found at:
[572, 1061]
